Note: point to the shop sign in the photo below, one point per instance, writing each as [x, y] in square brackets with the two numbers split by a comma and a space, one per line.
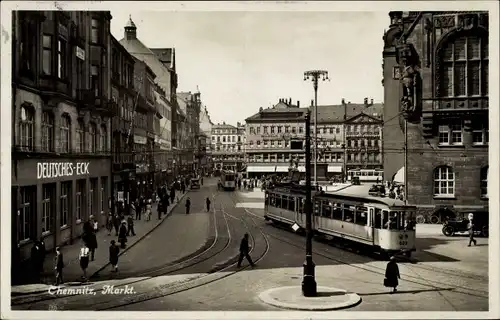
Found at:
[80, 53]
[52, 170]
[140, 139]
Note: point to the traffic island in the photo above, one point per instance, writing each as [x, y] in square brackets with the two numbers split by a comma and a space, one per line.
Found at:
[328, 298]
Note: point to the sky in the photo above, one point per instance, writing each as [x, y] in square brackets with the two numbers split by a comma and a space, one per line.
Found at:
[241, 61]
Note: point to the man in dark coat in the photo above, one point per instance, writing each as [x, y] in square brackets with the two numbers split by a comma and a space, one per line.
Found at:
[90, 240]
[114, 250]
[37, 260]
[130, 226]
[208, 204]
[159, 209]
[392, 275]
[59, 265]
[122, 235]
[188, 205]
[138, 210]
[244, 250]
[172, 195]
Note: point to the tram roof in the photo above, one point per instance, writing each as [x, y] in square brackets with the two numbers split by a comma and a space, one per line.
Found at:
[361, 192]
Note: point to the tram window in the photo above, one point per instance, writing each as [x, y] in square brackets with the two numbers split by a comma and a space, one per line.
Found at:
[409, 222]
[266, 199]
[291, 204]
[378, 218]
[301, 205]
[348, 214]
[272, 200]
[361, 216]
[337, 211]
[283, 202]
[317, 207]
[390, 220]
[402, 220]
[326, 210]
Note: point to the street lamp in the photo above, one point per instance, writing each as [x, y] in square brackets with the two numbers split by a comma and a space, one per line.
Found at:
[315, 75]
[308, 282]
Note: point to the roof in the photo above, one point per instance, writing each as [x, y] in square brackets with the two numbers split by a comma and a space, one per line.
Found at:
[223, 126]
[335, 113]
[164, 55]
[279, 114]
[148, 69]
[130, 23]
[362, 191]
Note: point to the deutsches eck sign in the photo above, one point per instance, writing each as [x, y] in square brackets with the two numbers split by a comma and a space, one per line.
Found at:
[51, 170]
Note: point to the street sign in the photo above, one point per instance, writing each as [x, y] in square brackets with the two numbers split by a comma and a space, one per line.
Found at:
[295, 227]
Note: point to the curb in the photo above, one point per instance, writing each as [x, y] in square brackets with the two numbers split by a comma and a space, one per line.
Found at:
[141, 237]
[291, 298]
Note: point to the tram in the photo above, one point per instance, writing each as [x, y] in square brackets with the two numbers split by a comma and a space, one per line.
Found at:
[227, 180]
[385, 225]
[366, 175]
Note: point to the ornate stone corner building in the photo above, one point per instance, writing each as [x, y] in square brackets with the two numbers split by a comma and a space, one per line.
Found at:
[61, 119]
[435, 75]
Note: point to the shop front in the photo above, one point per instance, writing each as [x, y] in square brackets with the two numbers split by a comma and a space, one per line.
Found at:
[53, 198]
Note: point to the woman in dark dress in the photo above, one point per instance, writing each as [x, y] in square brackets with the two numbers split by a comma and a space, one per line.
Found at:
[392, 275]
[114, 250]
[122, 235]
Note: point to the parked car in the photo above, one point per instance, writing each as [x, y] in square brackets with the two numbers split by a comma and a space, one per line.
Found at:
[377, 190]
[453, 226]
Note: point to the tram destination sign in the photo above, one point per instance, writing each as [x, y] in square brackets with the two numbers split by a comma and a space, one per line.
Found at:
[52, 170]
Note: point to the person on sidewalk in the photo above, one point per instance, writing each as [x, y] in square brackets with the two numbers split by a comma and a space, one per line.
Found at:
[37, 260]
[392, 275]
[208, 204]
[166, 204]
[90, 240]
[116, 223]
[172, 194]
[59, 265]
[114, 250]
[122, 235]
[95, 224]
[130, 226]
[244, 250]
[109, 223]
[84, 260]
[148, 210]
[138, 212]
[159, 209]
[188, 205]
[470, 228]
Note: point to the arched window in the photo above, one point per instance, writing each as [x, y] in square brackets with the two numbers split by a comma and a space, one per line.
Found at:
[444, 182]
[65, 135]
[47, 132]
[26, 128]
[80, 136]
[463, 66]
[93, 137]
[484, 182]
[103, 143]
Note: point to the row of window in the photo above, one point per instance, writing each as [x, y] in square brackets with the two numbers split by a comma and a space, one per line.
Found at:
[86, 203]
[276, 129]
[226, 131]
[453, 133]
[125, 73]
[228, 158]
[364, 128]
[227, 138]
[340, 211]
[444, 182]
[62, 134]
[231, 148]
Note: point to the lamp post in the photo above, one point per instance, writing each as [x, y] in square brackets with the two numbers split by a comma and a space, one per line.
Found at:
[315, 75]
[308, 281]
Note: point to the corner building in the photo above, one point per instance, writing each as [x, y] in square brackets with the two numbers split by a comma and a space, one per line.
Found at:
[445, 63]
[61, 120]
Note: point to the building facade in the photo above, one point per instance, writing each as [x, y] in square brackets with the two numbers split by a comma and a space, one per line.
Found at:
[162, 62]
[163, 138]
[206, 133]
[436, 76]
[144, 129]
[227, 147]
[123, 96]
[274, 137]
[61, 120]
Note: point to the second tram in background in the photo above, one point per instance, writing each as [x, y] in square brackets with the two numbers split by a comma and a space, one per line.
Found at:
[384, 225]
[227, 180]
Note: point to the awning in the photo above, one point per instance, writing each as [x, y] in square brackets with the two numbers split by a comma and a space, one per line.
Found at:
[333, 168]
[400, 176]
[267, 169]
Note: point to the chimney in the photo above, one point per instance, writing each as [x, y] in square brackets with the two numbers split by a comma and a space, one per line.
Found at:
[289, 101]
[343, 101]
[312, 102]
[298, 104]
[365, 101]
[371, 101]
[130, 29]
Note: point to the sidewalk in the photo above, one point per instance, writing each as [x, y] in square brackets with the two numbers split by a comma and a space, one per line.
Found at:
[72, 272]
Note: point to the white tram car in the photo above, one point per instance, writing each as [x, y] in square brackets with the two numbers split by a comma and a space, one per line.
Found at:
[228, 180]
[386, 225]
[366, 175]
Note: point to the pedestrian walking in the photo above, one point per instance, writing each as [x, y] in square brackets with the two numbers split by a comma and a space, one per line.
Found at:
[95, 224]
[244, 250]
[148, 210]
[130, 226]
[116, 223]
[91, 242]
[122, 235]
[392, 274]
[208, 204]
[114, 250]
[59, 265]
[84, 261]
[137, 208]
[201, 180]
[470, 227]
[188, 205]
[172, 195]
[109, 223]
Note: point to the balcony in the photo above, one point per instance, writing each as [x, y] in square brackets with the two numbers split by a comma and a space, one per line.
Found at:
[453, 105]
[91, 101]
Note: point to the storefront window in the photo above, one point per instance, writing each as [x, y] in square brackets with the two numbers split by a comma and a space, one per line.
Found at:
[92, 191]
[27, 213]
[80, 192]
[48, 194]
[65, 202]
